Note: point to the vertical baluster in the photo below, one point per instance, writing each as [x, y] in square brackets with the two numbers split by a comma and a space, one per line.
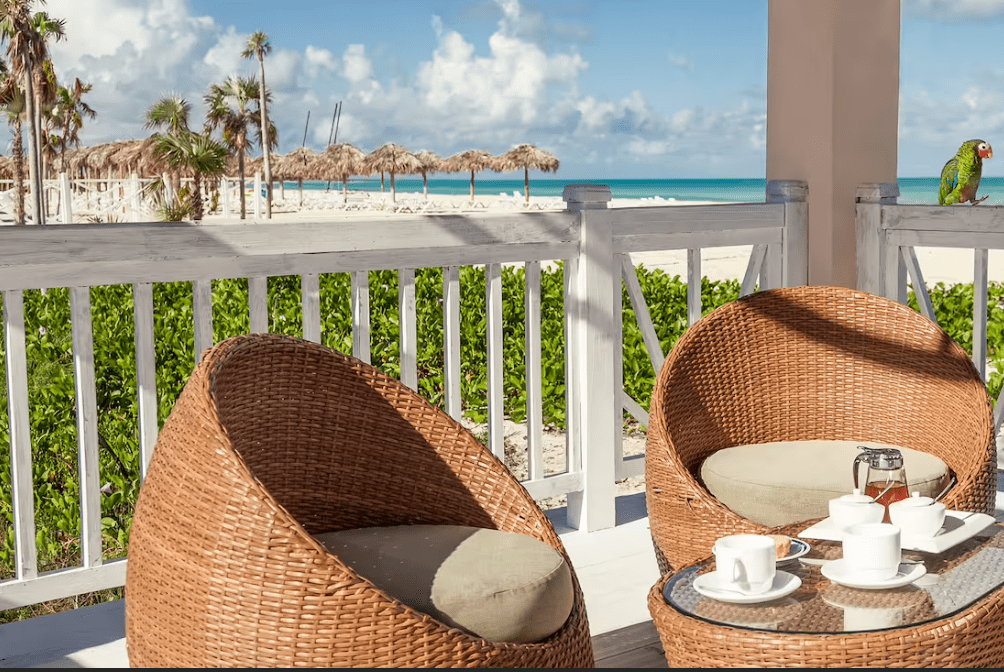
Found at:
[310, 297]
[534, 411]
[496, 410]
[23, 498]
[693, 286]
[451, 341]
[407, 321]
[146, 372]
[573, 456]
[617, 339]
[202, 304]
[258, 305]
[361, 315]
[87, 426]
[980, 311]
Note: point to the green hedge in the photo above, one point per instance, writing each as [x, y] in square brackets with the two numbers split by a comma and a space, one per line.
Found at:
[51, 387]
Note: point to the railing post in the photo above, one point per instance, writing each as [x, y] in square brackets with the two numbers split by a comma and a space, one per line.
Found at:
[256, 199]
[874, 256]
[169, 194]
[66, 195]
[795, 236]
[225, 197]
[590, 311]
[134, 214]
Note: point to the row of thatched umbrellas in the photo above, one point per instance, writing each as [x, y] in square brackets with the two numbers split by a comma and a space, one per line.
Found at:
[337, 163]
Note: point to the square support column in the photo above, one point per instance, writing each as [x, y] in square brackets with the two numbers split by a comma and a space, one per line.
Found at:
[832, 114]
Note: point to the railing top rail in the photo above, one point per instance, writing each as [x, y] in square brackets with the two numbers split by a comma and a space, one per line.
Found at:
[963, 219]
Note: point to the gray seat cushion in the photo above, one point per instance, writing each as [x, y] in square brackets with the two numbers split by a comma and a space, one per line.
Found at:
[501, 586]
[786, 482]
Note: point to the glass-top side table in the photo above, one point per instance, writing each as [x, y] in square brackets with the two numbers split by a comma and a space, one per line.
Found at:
[953, 615]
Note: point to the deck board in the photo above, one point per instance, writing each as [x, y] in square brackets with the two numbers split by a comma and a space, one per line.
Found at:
[634, 646]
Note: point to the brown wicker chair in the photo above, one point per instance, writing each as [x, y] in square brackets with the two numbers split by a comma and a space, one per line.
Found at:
[807, 363]
[272, 440]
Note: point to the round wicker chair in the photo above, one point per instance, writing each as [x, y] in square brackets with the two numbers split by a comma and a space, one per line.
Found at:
[805, 363]
[272, 440]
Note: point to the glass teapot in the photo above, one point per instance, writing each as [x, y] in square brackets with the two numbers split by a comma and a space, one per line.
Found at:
[885, 477]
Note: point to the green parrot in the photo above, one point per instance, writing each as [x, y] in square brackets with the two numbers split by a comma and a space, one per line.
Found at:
[960, 178]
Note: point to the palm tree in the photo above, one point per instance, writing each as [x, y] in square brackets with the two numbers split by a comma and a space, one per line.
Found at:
[258, 45]
[23, 47]
[232, 109]
[170, 114]
[69, 112]
[44, 84]
[197, 152]
[13, 102]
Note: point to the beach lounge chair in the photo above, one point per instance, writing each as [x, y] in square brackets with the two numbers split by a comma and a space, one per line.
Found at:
[789, 369]
[278, 453]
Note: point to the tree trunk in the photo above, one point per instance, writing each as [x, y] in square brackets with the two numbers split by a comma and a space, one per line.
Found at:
[472, 186]
[17, 152]
[526, 184]
[38, 216]
[196, 197]
[265, 143]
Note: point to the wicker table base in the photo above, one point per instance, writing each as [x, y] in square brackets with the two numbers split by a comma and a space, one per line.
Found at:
[970, 637]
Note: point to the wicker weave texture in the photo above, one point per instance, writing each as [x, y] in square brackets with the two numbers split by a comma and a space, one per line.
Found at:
[272, 440]
[807, 363]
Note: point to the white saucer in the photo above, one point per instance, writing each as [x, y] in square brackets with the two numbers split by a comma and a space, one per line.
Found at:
[784, 584]
[837, 571]
[798, 549]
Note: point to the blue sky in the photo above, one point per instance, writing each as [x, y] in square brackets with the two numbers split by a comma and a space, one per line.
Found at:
[632, 88]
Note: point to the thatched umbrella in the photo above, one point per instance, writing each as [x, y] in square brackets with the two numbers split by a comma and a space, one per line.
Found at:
[431, 163]
[393, 159]
[295, 165]
[469, 159]
[527, 157]
[340, 162]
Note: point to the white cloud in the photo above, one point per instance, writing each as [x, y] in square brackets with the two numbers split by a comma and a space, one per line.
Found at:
[357, 66]
[681, 62]
[510, 89]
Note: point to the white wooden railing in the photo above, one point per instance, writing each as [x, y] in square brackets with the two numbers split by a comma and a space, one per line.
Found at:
[887, 234]
[594, 242]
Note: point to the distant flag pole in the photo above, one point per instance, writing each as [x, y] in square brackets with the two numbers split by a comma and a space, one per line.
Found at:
[334, 114]
[304, 143]
[339, 120]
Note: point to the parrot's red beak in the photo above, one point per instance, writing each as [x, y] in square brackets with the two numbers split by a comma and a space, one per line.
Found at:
[986, 153]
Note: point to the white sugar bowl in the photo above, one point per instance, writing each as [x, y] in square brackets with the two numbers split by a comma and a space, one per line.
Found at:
[854, 509]
[918, 516]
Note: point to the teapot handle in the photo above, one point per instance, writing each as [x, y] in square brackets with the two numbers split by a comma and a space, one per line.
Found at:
[858, 460]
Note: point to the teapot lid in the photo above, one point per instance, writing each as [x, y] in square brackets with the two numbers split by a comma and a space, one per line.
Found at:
[882, 458]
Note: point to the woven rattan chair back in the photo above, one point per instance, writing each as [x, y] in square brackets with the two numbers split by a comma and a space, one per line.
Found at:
[807, 363]
[272, 440]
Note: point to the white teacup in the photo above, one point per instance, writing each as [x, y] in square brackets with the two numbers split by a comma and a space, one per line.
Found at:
[919, 516]
[872, 551]
[745, 563]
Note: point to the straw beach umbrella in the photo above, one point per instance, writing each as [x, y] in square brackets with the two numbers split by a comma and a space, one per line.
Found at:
[393, 159]
[431, 163]
[527, 157]
[296, 165]
[340, 162]
[469, 159]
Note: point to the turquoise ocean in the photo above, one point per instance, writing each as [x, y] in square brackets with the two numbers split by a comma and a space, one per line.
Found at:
[913, 190]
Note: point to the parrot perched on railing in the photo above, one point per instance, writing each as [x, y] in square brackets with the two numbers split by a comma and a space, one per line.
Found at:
[960, 178]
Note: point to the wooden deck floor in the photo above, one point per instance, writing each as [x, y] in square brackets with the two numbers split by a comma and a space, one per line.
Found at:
[633, 646]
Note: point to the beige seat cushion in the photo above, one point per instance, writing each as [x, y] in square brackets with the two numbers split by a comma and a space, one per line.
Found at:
[501, 586]
[786, 482]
